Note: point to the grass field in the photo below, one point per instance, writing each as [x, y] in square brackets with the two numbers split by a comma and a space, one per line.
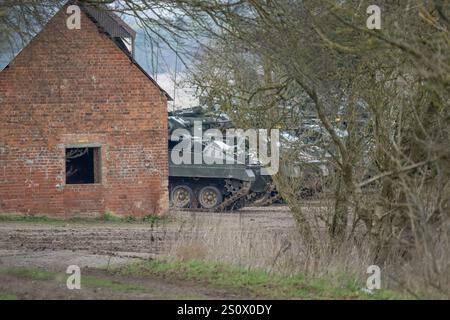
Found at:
[257, 282]
[204, 280]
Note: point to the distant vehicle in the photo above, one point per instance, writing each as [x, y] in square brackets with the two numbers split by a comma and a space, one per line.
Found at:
[231, 186]
[215, 186]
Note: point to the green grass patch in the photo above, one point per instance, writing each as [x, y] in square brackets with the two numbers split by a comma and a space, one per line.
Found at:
[114, 285]
[128, 287]
[89, 281]
[105, 218]
[7, 296]
[26, 218]
[39, 274]
[112, 217]
[31, 273]
[257, 282]
[42, 275]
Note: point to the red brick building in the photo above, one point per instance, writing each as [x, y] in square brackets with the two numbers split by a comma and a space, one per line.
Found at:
[83, 128]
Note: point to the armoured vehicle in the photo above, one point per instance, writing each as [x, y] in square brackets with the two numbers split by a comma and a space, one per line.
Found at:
[232, 186]
[211, 185]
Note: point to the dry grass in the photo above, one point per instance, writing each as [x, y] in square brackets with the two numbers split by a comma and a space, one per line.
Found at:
[191, 251]
[262, 238]
[268, 239]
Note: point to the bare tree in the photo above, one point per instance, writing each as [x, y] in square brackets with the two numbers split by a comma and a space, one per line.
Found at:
[279, 63]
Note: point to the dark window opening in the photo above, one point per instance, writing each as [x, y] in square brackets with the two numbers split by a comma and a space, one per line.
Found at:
[83, 165]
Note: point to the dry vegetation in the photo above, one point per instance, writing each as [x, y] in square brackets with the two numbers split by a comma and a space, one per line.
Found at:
[268, 239]
[268, 63]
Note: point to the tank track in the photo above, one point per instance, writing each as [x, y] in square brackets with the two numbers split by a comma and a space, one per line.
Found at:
[237, 192]
[266, 198]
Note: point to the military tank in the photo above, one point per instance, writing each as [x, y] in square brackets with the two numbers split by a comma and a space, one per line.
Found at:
[212, 186]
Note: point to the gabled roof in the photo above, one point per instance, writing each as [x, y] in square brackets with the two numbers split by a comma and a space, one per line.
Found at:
[115, 28]
[112, 25]
[109, 21]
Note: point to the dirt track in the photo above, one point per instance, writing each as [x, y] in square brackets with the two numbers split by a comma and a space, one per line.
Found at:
[53, 247]
[118, 240]
[118, 288]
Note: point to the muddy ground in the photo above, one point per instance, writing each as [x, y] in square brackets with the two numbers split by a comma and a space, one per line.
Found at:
[99, 245]
[106, 286]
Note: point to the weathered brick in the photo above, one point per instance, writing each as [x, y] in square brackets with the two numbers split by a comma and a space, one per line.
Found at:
[72, 87]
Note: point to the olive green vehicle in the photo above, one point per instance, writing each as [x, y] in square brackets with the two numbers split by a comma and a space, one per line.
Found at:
[232, 186]
[217, 186]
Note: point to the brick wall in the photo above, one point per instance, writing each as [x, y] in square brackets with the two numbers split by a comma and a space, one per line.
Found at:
[76, 87]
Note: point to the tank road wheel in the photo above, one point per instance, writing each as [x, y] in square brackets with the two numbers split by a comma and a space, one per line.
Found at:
[209, 197]
[181, 196]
